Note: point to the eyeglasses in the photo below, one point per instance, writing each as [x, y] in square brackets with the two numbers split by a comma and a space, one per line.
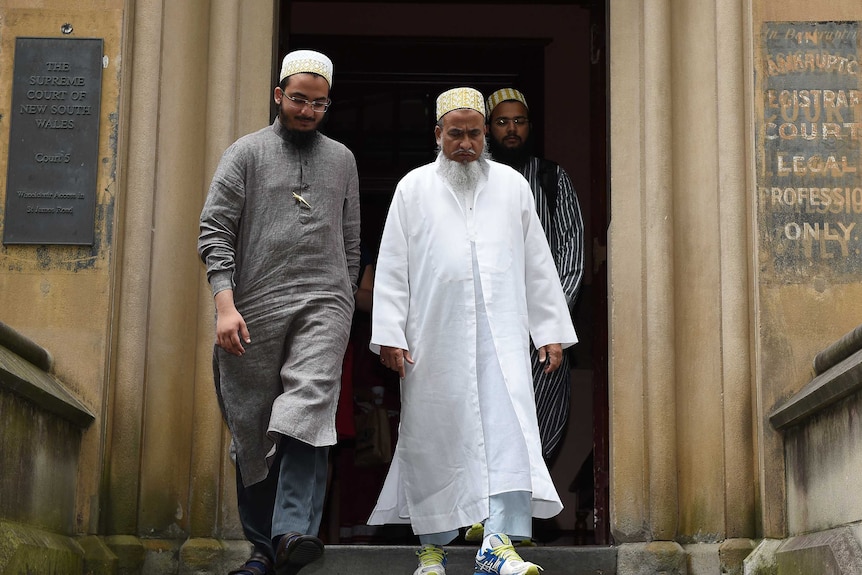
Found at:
[517, 120]
[315, 105]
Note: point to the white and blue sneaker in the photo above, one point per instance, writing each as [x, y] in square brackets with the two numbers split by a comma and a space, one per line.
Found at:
[497, 556]
[476, 532]
[432, 560]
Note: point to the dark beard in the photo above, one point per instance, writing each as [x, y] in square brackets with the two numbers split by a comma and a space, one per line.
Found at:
[300, 139]
[515, 158]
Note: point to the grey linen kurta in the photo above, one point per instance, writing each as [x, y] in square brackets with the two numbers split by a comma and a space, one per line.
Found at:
[293, 268]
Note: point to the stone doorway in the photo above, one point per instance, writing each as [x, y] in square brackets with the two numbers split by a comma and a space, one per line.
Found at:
[391, 61]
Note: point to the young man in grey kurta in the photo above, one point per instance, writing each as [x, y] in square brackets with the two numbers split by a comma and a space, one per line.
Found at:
[280, 236]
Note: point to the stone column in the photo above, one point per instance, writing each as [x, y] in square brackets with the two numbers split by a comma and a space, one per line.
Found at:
[643, 436]
[136, 164]
[681, 370]
[732, 74]
[200, 77]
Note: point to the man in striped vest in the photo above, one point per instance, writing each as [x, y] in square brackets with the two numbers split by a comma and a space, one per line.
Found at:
[509, 142]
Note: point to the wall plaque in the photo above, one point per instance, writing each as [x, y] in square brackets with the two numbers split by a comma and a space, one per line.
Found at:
[53, 142]
[809, 151]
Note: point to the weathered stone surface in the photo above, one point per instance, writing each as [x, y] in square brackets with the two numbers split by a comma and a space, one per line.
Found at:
[823, 457]
[198, 556]
[702, 558]
[761, 561]
[27, 551]
[130, 553]
[732, 554]
[831, 386]
[832, 552]
[39, 463]
[667, 557]
[162, 556]
[24, 347]
[98, 558]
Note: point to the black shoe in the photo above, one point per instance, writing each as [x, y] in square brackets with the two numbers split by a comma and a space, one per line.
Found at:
[254, 564]
[294, 551]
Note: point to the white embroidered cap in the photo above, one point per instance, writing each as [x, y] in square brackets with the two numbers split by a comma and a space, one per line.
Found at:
[460, 98]
[505, 95]
[308, 61]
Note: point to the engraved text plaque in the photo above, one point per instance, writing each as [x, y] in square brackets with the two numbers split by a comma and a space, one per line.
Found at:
[54, 142]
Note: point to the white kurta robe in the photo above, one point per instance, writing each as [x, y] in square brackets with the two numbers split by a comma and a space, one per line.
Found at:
[425, 301]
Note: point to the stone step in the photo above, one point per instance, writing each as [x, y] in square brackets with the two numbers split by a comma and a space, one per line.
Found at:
[401, 560]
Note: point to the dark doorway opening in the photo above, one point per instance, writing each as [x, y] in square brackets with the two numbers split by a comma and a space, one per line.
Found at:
[384, 100]
[388, 73]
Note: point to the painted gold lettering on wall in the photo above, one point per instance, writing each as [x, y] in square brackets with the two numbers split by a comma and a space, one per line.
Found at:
[53, 148]
[809, 156]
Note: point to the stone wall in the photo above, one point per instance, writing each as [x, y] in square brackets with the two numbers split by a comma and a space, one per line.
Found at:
[40, 447]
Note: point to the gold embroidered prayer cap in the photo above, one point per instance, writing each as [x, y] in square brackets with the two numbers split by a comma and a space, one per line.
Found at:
[308, 61]
[458, 99]
[505, 95]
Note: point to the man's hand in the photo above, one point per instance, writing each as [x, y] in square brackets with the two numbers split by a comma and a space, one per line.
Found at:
[552, 354]
[394, 358]
[231, 331]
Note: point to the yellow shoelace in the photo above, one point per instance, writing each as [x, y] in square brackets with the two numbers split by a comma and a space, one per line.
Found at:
[506, 552]
[431, 555]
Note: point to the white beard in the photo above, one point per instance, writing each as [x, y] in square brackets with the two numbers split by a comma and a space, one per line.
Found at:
[463, 176]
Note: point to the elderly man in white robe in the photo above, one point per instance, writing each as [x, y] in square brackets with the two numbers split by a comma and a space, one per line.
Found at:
[464, 279]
